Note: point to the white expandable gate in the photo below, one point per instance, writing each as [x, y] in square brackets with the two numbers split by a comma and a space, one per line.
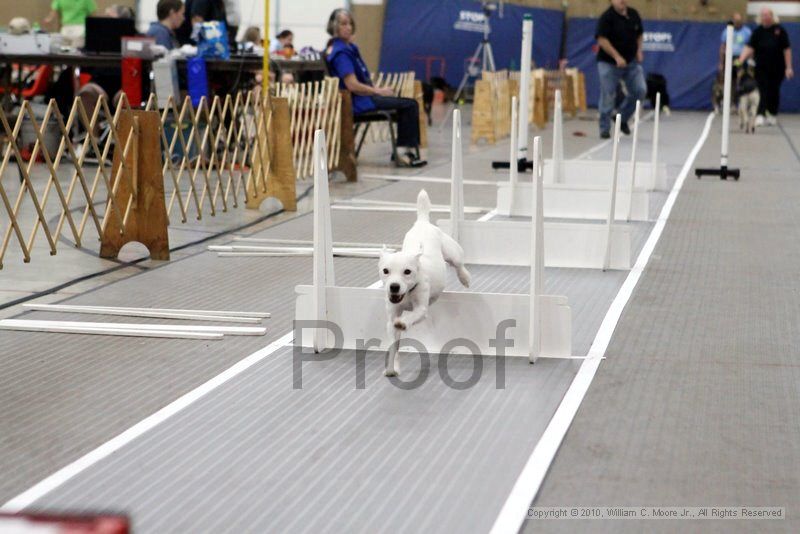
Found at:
[542, 323]
[566, 244]
[570, 200]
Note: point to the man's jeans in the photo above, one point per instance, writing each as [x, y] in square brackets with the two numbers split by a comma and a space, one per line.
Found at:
[610, 75]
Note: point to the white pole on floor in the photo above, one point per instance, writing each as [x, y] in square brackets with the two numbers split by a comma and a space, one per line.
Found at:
[613, 196]
[323, 241]
[654, 158]
[633, 159]
[726, 105]
[456, 179]
[202, 313]
[558, 139]
[537, 251]
[66, 308]
[524, 88]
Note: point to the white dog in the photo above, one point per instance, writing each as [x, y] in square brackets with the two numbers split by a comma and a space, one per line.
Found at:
[415, 276]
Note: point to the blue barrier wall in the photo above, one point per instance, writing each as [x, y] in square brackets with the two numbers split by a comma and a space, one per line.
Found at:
[686, 53]
[451, 29]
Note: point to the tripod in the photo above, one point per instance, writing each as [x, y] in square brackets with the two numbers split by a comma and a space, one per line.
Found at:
[483, 53]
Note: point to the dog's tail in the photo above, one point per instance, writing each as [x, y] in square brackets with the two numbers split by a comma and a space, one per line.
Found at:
[423, 206]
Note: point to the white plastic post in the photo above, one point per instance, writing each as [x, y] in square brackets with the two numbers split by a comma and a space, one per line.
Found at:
[558, 139]
[613, 196]
[726, 105]
[323, 239]
[633, 158]
[513, 170]
[654, 158]
[537, 252]
[524, 88]
[456, 178]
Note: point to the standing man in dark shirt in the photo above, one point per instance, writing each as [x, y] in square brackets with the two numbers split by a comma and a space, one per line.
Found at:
[619, 34]
[769, 44]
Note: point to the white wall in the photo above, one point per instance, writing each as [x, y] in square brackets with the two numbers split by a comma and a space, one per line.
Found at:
[306, 18]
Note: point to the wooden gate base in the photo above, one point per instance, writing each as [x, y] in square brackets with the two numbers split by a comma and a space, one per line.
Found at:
[142, 184]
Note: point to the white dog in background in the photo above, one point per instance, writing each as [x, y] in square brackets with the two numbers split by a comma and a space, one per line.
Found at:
[415, 276]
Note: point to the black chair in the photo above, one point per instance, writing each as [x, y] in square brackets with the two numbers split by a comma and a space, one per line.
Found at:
[362, 122]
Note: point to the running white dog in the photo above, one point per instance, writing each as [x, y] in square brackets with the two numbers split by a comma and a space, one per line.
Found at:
[415, 276]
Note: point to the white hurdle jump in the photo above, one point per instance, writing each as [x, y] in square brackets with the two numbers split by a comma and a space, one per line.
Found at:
[650, 175]
[571, 200]
[542, 324]
[566, 244]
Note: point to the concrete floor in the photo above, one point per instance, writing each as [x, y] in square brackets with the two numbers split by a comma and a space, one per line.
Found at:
[60, 424]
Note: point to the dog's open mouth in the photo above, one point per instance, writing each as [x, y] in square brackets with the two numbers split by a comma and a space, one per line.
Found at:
[395, 298]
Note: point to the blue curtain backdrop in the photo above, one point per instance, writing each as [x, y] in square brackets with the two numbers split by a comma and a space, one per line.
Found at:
[686, 53]
[451, 29]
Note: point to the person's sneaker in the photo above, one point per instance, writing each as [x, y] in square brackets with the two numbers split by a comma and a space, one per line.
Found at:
[625, 129]
[666, 110]
[605, 135]
[760, 120]
[772, 120]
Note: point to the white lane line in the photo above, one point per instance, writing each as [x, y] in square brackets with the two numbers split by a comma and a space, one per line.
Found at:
[516, 507]
[64, 474]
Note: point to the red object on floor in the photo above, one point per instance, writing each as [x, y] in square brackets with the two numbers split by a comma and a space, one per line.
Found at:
[132, 80]
[65, 524]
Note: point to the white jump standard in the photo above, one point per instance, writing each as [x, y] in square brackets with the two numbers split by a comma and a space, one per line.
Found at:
[566, 244]
[571, 200]
[459, 322]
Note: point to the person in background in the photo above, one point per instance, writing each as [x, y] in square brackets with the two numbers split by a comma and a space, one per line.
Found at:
[71, 14]
[283, 39]
[769, 45]
[620, 35]
[345, 62]
[252, 35]
[741, 36]
[170, 15]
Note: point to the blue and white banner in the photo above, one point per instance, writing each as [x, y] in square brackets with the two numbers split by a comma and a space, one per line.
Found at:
[439, 37]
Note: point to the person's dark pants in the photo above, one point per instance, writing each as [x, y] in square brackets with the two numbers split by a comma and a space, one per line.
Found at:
[769, 86]
[407, 118]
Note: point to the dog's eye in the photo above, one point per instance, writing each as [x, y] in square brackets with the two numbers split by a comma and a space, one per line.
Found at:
[407, 272]
[386, 271]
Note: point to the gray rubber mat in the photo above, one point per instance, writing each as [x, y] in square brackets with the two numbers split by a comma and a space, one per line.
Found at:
[697, 403]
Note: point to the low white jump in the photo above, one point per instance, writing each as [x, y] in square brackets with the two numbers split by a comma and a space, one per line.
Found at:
[573, 244]
[539, 325]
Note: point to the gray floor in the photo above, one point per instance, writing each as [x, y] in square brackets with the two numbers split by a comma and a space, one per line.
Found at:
[698, 402]
[259, 451]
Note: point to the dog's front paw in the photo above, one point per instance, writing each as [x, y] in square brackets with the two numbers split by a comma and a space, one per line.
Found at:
[390, 372]
[400, 324]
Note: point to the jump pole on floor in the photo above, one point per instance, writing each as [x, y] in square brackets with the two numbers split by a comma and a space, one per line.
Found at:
[724, 172]
[523, 163]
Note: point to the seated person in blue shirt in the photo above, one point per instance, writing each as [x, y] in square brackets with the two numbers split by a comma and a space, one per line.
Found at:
[170, 15]
[345, 62]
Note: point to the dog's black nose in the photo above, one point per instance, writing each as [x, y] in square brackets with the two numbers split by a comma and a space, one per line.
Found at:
[394, 288]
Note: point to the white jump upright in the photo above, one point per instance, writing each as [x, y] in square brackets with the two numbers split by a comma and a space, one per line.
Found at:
[566, 244]
[359, 313]
[724, 171]
[612, 198]
[537, 253]
[456, 175]
[565, 198]
[558, 140]
[629, 190]
[654, 154]
[524, 89]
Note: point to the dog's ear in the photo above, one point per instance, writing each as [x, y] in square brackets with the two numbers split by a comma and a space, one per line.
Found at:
[384, 251]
